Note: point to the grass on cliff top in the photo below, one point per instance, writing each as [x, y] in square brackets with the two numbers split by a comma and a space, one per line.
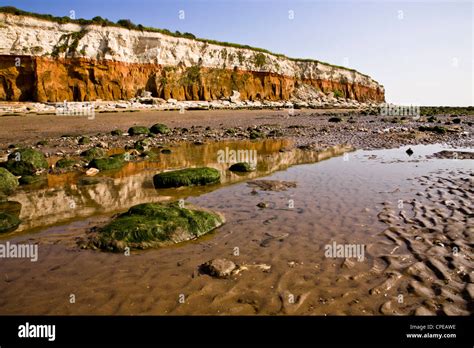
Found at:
[128, 24]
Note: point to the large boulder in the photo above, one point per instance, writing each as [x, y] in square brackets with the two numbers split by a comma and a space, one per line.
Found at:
[26, 162]
[153, 225]
[187, 177]
[8, 222]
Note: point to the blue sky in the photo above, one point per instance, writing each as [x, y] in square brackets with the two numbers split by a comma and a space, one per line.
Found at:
[422, 52]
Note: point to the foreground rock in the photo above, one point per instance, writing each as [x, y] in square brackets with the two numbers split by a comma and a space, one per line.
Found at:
[187, 177]
[151, 225]
[8, 222]
[26, 162]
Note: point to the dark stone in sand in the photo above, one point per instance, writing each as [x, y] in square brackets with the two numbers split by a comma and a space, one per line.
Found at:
[409, 151]
[220, 268]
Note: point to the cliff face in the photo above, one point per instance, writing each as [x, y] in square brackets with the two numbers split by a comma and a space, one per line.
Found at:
[44, 61]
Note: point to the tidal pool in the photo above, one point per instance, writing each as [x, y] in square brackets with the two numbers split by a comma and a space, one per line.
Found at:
[388, 203]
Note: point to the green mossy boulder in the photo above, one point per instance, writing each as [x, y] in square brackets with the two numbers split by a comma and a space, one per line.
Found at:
[137, 130]
[65, 163]
[160, 128]
[107, 163]
[116, 132]
[187, 177]
[26, 162]
[8, 222]
[95, 152]
[8, 183]
[153, 225]
[242, 167]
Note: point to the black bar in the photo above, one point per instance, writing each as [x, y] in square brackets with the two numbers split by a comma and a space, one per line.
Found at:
[195, 330]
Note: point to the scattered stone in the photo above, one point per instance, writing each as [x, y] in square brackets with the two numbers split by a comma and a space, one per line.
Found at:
[92, 171]
[137, 130]
[92, 153]
[160, 128]
[220, 268]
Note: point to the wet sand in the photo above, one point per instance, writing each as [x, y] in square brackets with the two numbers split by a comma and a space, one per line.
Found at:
[409, 266]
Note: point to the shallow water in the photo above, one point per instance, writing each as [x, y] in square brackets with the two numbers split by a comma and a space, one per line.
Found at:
[335, 201]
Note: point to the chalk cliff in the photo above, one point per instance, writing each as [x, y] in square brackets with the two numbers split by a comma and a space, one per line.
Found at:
[46, 61]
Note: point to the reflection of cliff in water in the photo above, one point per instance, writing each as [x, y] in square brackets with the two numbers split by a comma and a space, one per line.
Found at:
[71, 196]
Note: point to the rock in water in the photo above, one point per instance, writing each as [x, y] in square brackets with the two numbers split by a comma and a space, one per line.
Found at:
[151, 225]
[187, 177]
[220, 268]
[107, 163]
[26, 162]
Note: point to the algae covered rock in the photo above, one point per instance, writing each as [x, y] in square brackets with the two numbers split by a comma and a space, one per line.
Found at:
[8, 182]
[137, 130]
[95, 152]
[160, 128]
[187, 177]
[107, 163]
[242, 167]
[26, 162]
[151, 225]
[64, 163]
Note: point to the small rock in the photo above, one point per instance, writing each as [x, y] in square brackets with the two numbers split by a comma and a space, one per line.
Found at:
[92, 171]
[220, 268]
